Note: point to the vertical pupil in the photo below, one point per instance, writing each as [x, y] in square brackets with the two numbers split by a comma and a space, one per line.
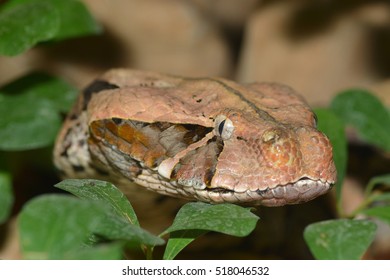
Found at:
[220, 127]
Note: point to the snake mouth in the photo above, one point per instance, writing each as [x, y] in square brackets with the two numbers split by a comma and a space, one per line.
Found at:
[300, 191]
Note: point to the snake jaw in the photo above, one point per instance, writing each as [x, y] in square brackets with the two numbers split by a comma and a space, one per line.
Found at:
[294, 193]
[301, 191]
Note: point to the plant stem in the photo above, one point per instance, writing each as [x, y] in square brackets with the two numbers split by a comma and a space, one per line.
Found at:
[361, 207]
[148, 251]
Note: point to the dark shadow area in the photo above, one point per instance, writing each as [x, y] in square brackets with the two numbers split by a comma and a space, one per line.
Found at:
[97, 52]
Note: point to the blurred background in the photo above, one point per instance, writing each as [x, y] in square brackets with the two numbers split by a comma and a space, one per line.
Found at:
[319, 47]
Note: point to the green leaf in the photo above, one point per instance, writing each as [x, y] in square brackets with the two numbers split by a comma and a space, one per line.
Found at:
[381, 212]
[383, 179]
[30, 110]
[119, 224]
[366, 113]
[111, 251]
[178, 240]
[42, 86]
[117, 228]
[225, 218]
[339, 239]
[101, 191]
[23, 23]
[333, 127]
[53, 226]
[381, 197]
[76, 20]
[6, 197]
[27, 123]
[197, 218]
[22, 26]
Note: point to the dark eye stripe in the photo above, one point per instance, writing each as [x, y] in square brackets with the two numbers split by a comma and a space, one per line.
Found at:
[95, 87]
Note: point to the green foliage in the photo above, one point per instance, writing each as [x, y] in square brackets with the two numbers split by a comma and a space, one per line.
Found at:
[41, 20]
[195, 219]
[105, 213]
[381, 212]
[232, 219]
[60, 232]
[384, 179]
[102, 191]
[178, 240]
[339, 239]
[120, 221]
[30, 108]
[366, 113]
[6, 197]
[24, 23]
[75, 19]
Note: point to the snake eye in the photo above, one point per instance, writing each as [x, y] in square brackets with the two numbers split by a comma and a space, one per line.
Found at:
[223, 127]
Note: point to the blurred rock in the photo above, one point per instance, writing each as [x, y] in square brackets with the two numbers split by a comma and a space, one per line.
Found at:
[230, 13]
[169, 36]
[316, 50]
[382, 90]
[9, 237]
[352, 195]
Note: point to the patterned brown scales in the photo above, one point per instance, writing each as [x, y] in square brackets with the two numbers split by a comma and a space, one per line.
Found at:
[207, 139]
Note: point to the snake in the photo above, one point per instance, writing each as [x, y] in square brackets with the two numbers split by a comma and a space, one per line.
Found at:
[199, 138]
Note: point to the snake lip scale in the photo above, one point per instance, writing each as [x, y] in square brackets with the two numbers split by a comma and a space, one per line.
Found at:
[207, 139]
[293, 193]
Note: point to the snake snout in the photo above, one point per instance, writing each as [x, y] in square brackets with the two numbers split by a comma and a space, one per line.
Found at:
[317, 155]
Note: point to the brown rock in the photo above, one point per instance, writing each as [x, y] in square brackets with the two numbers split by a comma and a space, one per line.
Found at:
[10, 245]
[169, 36]
[317, 52]
[231, 13]
[382, 91]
